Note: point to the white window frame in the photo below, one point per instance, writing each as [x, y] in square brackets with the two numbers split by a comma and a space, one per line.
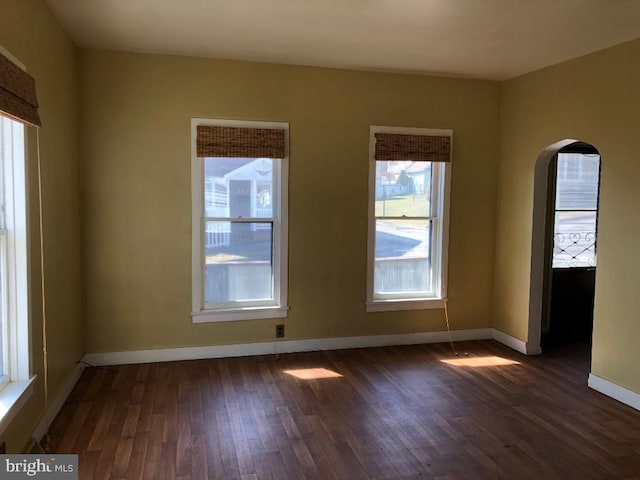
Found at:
[277, 307]
[441, 185]
[16, 385]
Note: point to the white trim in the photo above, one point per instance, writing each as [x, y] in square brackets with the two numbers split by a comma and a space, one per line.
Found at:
[440, 248]
[56, 405]
[610, 389]
[289, 346]
[276, 308]
[12, 398]
[394, 305]
[511, 342]
[515, 343]
[197, 200]
[444, 213]
[206, 316]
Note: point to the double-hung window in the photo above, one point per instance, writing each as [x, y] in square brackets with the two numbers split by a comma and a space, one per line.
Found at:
[409, 179]
[239, 186]
[18, 106]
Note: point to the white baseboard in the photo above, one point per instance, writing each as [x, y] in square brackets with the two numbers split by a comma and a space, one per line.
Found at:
[286, 346]
[612, 390]
[516, 344]
[511, 342]
[56, 405]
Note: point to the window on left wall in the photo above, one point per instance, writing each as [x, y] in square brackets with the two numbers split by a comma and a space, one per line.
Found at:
[18, 106]
[14, 333]
[239, 228]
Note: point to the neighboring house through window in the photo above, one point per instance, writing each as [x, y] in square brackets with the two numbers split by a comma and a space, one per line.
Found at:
[408, 218]
[239, 220]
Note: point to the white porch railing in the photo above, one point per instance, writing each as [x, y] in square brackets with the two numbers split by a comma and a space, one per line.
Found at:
[262, 213]
[217, 234]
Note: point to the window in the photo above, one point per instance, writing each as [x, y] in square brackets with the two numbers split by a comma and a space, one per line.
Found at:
[13, 254]
[409, 178]
[239, 186]
[576, 210]
[18, 106]
[14, 315]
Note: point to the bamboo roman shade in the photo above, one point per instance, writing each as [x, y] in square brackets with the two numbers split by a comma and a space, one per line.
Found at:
[18, 93]
[244, 142]
[419, 148]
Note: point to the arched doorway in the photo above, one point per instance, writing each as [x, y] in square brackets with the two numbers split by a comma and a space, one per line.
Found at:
[564, 235]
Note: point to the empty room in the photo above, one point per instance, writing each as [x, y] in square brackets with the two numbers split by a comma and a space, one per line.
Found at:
[378, 239]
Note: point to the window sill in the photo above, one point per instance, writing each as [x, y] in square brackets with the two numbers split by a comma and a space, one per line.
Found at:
[12, 398]
[417, 304]
[255, 313]
[581, 269]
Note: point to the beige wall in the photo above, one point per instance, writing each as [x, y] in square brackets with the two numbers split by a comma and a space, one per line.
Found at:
[136, 200]
[32, 34]
[594, 99]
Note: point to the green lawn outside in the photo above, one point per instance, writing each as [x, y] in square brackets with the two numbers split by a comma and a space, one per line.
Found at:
[410, 205]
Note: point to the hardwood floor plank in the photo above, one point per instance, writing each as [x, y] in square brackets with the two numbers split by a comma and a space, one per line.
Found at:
[168, 461]
[87, 465]
[184, 450]
[108, 451]
[102, 427]
[122, 457]
[69, 436]
[199, 469]
[131, 421]
[153, 454]
[135, 467]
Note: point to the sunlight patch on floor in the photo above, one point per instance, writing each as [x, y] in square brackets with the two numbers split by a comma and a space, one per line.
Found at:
[488, 361]
[312, 373]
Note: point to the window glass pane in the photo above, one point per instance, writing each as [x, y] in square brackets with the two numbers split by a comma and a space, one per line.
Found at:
[238, 187]
[238, 261]
[574, 239]
[403, 189]
[3, 126]
[403, 256]
[577, 181]
[3, 293]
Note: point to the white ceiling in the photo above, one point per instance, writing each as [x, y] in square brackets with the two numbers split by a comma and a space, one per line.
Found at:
[492, 39]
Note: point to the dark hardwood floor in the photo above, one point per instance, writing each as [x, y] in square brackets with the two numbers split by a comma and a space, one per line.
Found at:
[393, 413]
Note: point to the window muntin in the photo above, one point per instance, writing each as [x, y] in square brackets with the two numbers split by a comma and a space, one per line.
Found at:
[241, 213]
[407, 231]
[576, 210]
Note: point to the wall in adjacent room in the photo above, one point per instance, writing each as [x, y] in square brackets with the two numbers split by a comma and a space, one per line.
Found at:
[594, 99]
[32, 34]
[136, 193]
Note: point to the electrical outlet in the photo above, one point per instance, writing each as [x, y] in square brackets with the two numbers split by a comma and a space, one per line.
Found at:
[280, 330]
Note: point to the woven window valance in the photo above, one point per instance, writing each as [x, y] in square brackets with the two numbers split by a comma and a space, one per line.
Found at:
[419, 148]
[18, 93]
[245, 142]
